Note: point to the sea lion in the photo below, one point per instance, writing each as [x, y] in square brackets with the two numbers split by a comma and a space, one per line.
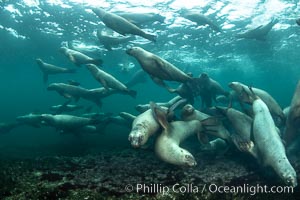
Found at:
[143, 127]
[269, 145]
[200, 19]
[139, 76]
[242, 125]
[243, 91]
[109, 40]
[31, 119]
[258, 33]
[66, 107]
[79, 58]
[208, 89]
[108, 81]
[293, 117]
[67, 122]
[121, 25]
[48, 69]
[185, 91]
[167, 143]
[143, 107]
[210, 125]
[76, 92]
[142, 18]
[158, 68]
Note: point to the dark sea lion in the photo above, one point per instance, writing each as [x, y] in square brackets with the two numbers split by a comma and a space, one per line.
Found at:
[108, 81]
[298, 21]
[207, 89]
[158, 68]
[293, 117]
[200, 19]
[258, 33]
[109, 41]
[142, 18]
[31, 119]
[48, 69]
[79, 58]
[269, 145]
[7, 127]
[66, 107]
[167, 143]
[121, 25]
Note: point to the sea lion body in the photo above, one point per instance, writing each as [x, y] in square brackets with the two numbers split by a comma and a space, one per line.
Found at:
[200, 19]
[48, 69]
[258, 33]
[242, 91]
[110, 41]
[79, 58]
[31, 119]
[157, 67]
[121, 25]
[293, 117]
[108, 81]
[67, 122]
[167, 143]
[138, 77]
[269, 144]
[142, 18]
[65, 108]
[143, 107]
[208, 89]
[143, 127]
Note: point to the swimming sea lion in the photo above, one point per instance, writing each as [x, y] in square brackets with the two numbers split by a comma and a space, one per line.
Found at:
[269, 145]
[167, 143]
[7, 127]
[293, 117]
[48, 69]
[138, 77]
[208, 89]
[298, 21]
[158, 68]
[79, 58]
[76, 92]
[108, 81]
[243, 91]
[66, 107]
[31, 119]
[258, 33]
[67, 122]
[121, 25]
[200, 19]
[108, 40]
[142, 18]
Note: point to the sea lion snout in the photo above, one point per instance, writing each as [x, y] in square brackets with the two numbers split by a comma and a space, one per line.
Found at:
[189, 160]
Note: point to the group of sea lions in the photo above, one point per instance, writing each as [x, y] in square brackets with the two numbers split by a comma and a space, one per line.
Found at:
[255, 127]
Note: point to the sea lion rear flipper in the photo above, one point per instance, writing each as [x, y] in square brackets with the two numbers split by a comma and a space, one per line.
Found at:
[214, 126]
[132, 93]
[160, 115]
[202, 138]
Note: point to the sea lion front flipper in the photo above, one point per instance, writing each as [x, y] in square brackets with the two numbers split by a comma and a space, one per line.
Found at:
[214, 126]
[202, 138]
[160, 115]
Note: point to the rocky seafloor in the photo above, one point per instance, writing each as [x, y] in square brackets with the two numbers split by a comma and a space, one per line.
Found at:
[107, 175]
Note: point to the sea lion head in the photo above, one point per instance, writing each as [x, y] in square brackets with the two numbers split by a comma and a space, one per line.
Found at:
[39, 61]
[52, 86]
[188, 159]
[290, 178]
[63, 49]
[133, 51]
[137, 136]
[187, 111]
